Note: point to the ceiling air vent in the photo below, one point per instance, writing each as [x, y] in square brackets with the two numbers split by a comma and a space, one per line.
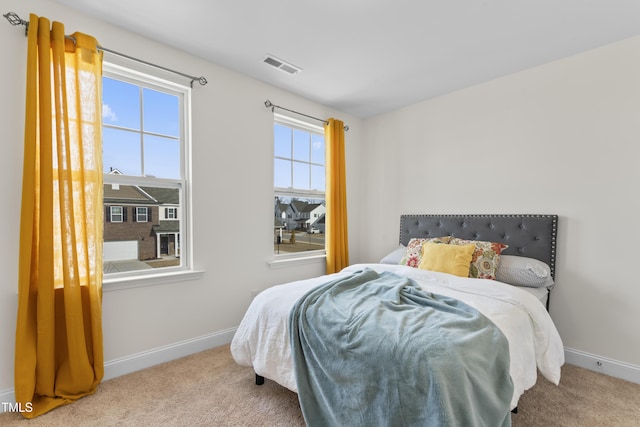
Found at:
[282, 65]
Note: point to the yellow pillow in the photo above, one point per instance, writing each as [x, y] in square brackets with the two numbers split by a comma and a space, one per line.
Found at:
[452, 259]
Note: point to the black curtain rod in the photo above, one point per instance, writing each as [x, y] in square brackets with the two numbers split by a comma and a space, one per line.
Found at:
[268, 104]
[15, 20]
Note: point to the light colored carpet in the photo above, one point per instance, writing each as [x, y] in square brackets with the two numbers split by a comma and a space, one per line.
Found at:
[210, 389]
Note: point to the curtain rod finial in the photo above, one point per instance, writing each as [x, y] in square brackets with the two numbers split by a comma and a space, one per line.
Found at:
[200, 80]
[268, 103]
[15, 20]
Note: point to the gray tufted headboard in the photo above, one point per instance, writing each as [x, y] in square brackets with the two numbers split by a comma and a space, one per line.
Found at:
[532, 236]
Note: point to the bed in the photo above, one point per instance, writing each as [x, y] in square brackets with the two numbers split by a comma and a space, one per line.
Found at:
[508, 296]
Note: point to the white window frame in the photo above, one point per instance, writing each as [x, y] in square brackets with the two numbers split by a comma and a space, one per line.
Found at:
[111, 214]
[171, 213]
[139, 209]
[154, 79]
[317, 256]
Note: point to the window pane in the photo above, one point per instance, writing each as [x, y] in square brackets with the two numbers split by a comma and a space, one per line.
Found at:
[141, 214]
[301, 175]
[299, 224]
[282, 141]
[317, 149]
[139, 238]
[170, 213]
[301, 142]
[317, 178]
[120, 103]
[161, 114]
[116, 213]
[161, 157]
[121, 151]
[282, 173]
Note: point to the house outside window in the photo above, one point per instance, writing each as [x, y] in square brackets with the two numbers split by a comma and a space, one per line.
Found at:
[299, 187]
[145, 160]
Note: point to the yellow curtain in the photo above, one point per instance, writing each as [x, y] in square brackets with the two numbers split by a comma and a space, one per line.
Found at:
[58, 355]
[337, 241]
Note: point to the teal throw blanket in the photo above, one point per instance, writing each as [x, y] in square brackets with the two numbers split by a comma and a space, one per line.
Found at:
[373, 349]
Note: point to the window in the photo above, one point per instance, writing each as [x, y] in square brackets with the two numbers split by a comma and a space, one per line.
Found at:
[115, 214]
[299, 187]
[145, 161]
[170, 213]
[141, 214]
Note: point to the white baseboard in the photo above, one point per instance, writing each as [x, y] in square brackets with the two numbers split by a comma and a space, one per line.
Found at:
[146, 359]
[7, 396]
[604, 365]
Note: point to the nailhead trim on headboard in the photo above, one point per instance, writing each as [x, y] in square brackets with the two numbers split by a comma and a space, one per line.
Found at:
[530, 235]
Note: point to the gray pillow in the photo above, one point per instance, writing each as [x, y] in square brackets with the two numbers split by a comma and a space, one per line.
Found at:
[523, 271]
[395, 256]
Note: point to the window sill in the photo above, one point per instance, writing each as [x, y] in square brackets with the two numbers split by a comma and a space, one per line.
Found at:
[283, 262]
[120, 283]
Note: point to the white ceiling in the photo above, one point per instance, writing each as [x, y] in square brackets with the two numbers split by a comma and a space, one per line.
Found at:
[366, 57]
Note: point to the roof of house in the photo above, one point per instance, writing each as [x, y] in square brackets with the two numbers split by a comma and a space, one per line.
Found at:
[298, 205]
[125, 194]
[164, 195]
[310, 207]
[167, 227]
[133, 194]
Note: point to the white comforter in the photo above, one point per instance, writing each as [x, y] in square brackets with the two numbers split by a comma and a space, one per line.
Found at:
[262, 339]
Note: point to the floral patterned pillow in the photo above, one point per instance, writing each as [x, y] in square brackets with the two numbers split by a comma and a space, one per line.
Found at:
[485, 258]
[413, 254]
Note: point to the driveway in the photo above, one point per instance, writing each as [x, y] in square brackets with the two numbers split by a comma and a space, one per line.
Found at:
[124, 265]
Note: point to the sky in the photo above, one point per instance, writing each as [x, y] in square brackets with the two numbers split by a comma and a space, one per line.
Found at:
[146, 141]
[299, 159]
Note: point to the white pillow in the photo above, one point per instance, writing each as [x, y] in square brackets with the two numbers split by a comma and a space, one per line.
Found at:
[523, 271]
[395, 256]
